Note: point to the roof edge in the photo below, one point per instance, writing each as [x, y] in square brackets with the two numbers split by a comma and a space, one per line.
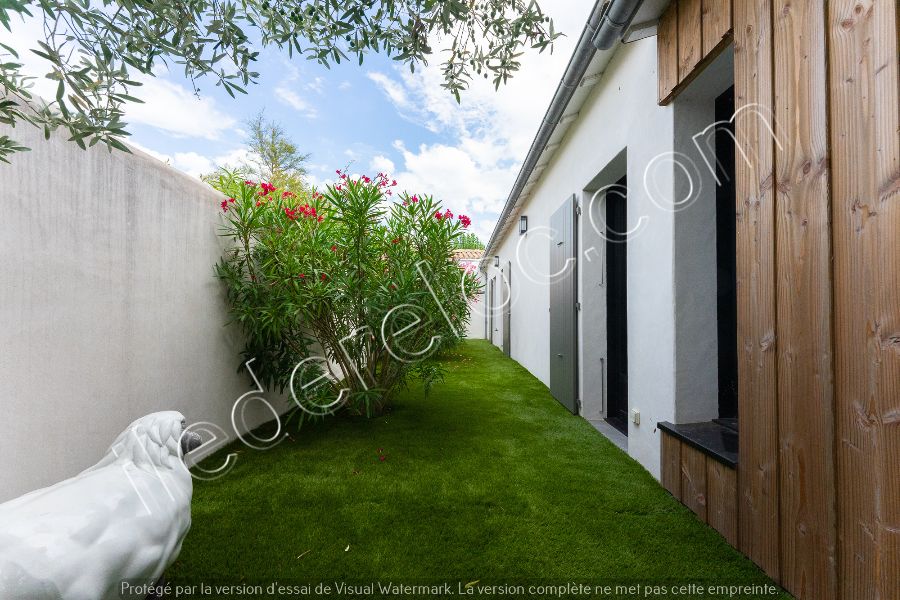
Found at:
[578, 64]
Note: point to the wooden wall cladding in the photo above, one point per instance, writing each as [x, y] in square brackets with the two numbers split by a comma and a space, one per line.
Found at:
[803, 251]
[671, 465]
[817, 212]
[693, 480]
[818, 226]
[721, 500]
[755, 238]
[667, 51]
[689, 35]
[865, 198]
[706, 486]
[716, 23]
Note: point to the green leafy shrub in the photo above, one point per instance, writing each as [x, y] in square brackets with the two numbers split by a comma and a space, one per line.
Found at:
[350, 275]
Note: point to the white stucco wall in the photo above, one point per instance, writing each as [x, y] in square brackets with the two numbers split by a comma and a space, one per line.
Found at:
[475, 326]
[671, 252]
[108, 306]
[621, 115]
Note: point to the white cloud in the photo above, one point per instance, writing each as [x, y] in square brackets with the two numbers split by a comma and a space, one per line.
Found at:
[382, 164]
[175, 109]
[291, 98]
[317, 85]
[194, 163]
[394, 90]
[233, 158]
[345, 85]
[157, 155]
[458, 179]
[287, 92]
[489, 131]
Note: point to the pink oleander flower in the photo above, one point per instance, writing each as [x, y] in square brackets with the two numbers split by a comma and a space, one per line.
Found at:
[267, 188]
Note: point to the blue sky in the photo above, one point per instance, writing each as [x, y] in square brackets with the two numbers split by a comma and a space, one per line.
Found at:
[375, 117]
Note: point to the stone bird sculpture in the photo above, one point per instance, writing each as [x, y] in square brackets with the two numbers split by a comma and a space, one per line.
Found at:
[122, 520]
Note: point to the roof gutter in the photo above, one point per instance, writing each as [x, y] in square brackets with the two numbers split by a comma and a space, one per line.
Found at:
[616, 18]
[605, 26]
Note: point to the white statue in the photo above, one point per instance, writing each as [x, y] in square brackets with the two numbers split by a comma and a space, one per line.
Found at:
[121, 520]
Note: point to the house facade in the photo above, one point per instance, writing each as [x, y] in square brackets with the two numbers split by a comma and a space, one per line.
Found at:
[468, 260]
[701, 256]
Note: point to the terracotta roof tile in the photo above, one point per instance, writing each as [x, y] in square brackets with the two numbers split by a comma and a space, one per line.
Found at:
[467, 254]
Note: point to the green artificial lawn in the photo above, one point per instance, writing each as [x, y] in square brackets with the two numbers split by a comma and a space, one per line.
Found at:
[489, 479]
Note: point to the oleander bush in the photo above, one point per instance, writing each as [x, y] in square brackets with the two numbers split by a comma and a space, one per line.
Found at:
[344, 294]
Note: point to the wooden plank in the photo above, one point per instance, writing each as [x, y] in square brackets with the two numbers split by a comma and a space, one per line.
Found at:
[865, 150]
[716, 17]
[693, 480]
[690, 33]
[667, 52]
[721, 500]
[671, 464]
[803, 253]
[755, 239]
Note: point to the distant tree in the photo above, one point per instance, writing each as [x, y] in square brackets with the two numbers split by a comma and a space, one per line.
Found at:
[95, 47]
[273, 157]
[469, 241]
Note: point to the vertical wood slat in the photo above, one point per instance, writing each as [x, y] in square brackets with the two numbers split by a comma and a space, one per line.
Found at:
[803, 254]
[721, 500]
[716, 17]
[690, 34]
[667, 52]
[865, 151]
[755, 247]
[693, 480]
[671, 464]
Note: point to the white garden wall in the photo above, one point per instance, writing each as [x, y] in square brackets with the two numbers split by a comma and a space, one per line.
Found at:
[108, 306]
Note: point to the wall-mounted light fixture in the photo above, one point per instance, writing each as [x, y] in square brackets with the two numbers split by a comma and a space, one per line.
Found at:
[496, 261]
[523, 224]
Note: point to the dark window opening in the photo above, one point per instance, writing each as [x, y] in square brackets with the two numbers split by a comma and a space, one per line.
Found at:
[726, 272]
[491, 301]
[617, 307]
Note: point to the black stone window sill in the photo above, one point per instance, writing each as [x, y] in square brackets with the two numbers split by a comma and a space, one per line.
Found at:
[717, 440]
